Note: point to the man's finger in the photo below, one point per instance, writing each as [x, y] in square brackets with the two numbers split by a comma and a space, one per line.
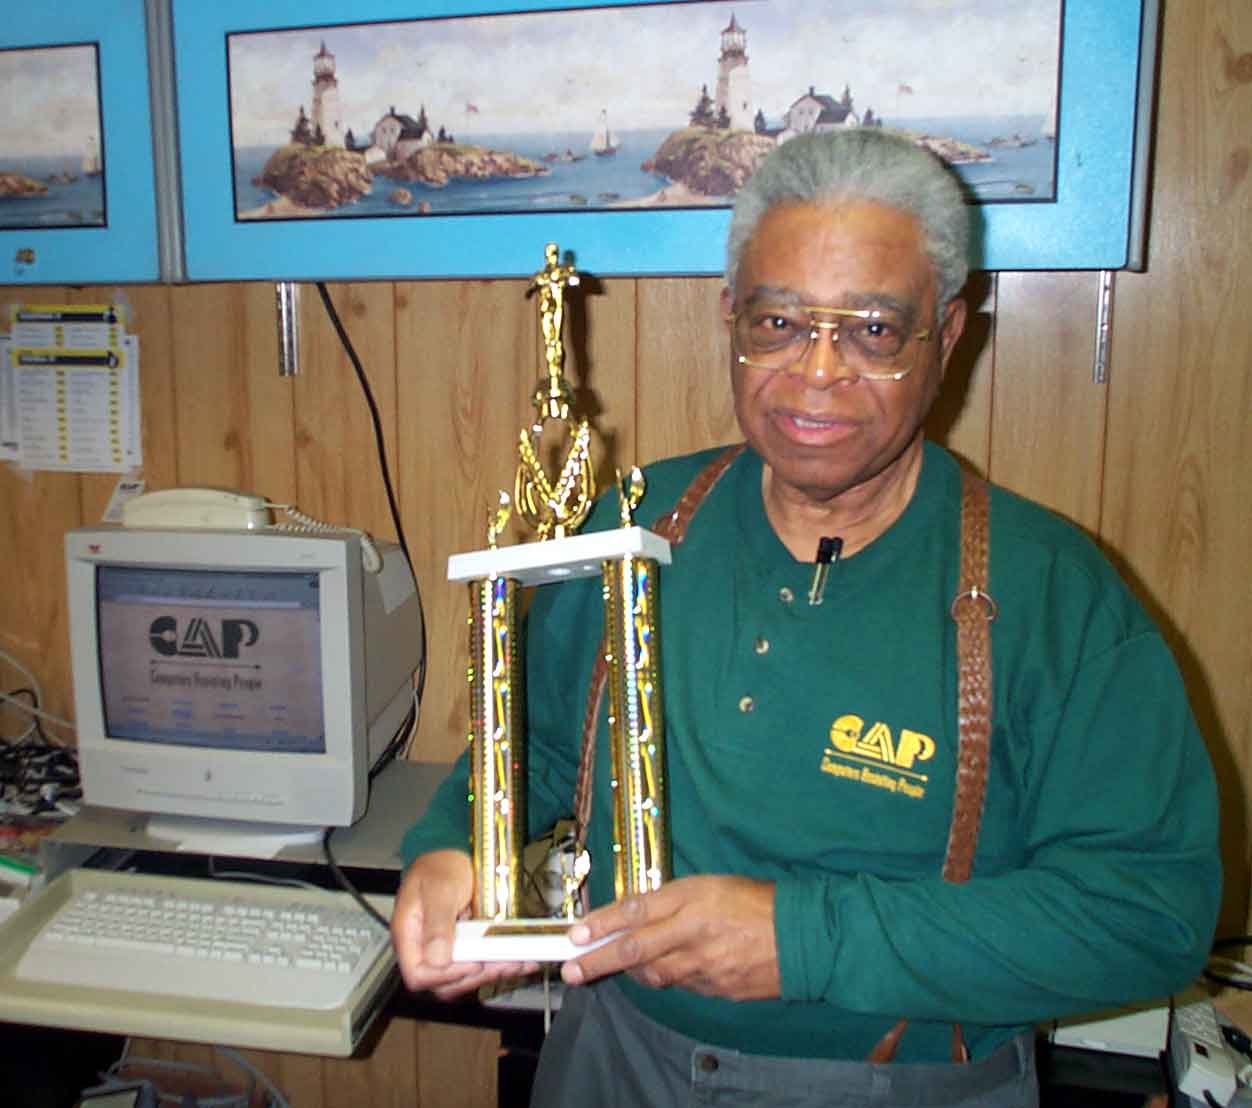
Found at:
[630, 912]
[481, 974]
[441, 905]
[653, 935]
[434, 890]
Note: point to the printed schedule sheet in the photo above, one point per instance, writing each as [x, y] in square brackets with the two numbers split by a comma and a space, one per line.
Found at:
[69, 397]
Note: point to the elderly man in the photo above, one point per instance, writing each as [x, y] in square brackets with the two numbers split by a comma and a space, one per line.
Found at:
[833, 935]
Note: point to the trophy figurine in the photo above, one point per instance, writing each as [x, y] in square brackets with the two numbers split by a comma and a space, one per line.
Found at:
[553, 506]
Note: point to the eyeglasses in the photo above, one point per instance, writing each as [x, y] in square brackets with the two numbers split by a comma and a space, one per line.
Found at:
[774, 337]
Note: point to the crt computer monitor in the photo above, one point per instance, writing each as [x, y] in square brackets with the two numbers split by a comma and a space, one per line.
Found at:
[251, 678]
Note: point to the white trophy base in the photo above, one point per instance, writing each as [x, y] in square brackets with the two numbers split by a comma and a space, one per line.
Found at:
[541, 563]
[517, 940]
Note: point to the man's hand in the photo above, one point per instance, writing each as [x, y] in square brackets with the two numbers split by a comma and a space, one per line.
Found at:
[438, 888]
[712, 935]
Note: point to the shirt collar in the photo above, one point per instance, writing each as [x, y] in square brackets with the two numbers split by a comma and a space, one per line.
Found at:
[938, 485]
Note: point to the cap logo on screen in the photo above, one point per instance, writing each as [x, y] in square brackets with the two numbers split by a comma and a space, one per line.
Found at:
[198, 640]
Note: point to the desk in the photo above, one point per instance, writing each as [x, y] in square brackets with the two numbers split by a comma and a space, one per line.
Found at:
[397, 797]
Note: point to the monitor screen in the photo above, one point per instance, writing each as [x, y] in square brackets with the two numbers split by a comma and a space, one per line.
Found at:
[213, 659]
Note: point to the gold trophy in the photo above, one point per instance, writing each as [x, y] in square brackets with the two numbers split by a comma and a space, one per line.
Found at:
[554, 506]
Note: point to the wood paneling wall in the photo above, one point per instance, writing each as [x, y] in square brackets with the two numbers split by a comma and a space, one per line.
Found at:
[1157, 462]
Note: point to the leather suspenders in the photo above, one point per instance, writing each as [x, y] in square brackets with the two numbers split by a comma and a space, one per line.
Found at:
[972, 611]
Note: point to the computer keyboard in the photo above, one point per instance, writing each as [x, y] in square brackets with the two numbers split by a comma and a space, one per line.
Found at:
[208, 940]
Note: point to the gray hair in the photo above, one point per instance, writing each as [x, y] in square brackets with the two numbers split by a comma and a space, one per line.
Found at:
[862, 163]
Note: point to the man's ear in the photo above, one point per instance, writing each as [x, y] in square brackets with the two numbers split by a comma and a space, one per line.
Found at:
[952, 328]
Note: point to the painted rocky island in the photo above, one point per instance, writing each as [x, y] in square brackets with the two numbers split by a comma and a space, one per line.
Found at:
[708, 162]
[313, 179]
[16, 184]
[713, 164]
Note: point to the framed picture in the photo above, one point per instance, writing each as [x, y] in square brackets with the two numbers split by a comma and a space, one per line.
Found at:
[77, 193]
[455, 138]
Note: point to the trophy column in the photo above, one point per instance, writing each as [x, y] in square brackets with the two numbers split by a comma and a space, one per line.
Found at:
[497, 774]
[641, 861]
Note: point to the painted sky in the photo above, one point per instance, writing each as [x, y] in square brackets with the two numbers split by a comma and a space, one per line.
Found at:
[49, 101]
[646, 64]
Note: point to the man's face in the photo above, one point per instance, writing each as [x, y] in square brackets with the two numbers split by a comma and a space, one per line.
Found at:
[821, 429]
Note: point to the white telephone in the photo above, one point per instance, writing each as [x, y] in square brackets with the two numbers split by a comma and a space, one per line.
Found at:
[228, 510]
[220, 509]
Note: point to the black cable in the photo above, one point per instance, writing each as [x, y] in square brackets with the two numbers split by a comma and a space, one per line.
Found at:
[380, 445]
[341, 878]
[375, 419]
[346, 884]
[36, 727]
[1236, 1038]
[397, 742]
[36, 772]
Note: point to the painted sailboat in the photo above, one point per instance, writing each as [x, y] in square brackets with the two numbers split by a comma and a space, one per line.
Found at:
[91, 159]
[1048, 131]
[603, 142]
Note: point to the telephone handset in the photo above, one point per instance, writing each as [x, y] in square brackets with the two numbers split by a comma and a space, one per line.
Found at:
[221, 509]
[228, 510]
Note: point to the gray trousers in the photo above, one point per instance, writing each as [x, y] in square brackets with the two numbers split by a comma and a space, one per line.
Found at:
[602, 1052]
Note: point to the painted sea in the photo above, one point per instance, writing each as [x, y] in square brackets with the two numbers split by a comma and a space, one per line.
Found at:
[590, 182]
[72, 200]
[1023, 160]
[1022, 168]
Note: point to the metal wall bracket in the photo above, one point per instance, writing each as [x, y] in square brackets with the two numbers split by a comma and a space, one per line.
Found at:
[1104, 327]
[288, 302]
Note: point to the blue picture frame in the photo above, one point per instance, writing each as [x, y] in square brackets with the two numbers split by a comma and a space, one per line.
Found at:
[1090, 224]
[125, 248]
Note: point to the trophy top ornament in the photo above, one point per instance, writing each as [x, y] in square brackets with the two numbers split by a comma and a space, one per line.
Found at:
[554, 505]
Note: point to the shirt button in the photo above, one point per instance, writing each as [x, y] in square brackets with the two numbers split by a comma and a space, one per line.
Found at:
[746, 704]
[761, 646]
[708, 1063]
[786, 595]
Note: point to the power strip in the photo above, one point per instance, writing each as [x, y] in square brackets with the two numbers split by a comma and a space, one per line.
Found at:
[1199, 1055]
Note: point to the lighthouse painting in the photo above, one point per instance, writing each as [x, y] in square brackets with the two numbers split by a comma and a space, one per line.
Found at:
[647, 106]
[51, 153]
[447, 137]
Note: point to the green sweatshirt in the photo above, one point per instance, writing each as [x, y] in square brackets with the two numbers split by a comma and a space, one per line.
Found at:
[815, 746]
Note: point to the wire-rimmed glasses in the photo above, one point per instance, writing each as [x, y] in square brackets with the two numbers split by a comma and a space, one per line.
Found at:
[777, 336]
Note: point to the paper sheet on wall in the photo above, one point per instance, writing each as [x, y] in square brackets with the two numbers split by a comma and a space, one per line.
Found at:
[76, 409]
[69, 389]
[8, 408]
[77, 326]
